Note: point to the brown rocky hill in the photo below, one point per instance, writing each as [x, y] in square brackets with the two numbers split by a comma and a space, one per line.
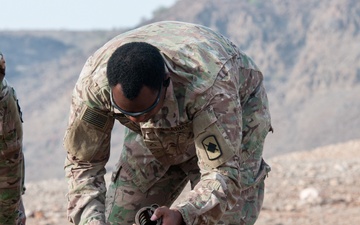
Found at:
[317, 187]
[307, 49]
[309, 52]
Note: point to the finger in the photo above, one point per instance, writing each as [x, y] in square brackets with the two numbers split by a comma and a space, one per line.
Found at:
[159, 212]
[155, 216]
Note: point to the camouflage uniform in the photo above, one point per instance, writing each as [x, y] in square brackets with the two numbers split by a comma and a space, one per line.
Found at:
[210, 132]
[11, 156]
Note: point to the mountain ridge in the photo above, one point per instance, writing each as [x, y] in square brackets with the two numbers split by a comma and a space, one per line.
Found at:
[307, 51]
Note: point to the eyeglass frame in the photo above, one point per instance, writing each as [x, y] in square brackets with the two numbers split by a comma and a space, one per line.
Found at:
[137, 114]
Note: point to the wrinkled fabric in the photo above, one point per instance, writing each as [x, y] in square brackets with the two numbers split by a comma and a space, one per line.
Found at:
[210, 131]
[11, 158]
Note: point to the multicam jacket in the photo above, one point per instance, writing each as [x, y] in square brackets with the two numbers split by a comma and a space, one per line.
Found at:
[11, 157]
[215, 108]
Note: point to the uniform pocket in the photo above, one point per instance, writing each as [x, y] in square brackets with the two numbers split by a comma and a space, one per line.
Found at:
[168, 145]
[253, 173]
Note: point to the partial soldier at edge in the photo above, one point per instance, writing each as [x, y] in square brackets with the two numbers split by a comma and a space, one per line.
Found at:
[11, 155]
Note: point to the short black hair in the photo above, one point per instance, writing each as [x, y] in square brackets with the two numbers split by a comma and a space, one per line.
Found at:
[134, 65]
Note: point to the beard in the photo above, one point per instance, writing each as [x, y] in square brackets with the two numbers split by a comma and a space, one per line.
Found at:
[2, 71]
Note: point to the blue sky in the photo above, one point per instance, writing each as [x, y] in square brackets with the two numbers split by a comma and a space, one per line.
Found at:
[75, 14]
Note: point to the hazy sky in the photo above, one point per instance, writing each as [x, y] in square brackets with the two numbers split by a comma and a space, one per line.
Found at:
[76, 14]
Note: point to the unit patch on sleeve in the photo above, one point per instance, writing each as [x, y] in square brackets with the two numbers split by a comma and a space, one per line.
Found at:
[212, 147]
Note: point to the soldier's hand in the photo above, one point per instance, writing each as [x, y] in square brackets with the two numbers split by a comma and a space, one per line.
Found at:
[169, 216]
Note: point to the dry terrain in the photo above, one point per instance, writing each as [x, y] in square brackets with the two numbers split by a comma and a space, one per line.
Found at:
[308, 51]
[312, 187]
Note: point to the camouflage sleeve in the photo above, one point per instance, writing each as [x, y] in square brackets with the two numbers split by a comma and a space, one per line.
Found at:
[11, 157]
[217, 150]
[226, 149]
[87, 141]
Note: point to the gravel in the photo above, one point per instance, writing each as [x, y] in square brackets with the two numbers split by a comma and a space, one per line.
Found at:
[315, 187]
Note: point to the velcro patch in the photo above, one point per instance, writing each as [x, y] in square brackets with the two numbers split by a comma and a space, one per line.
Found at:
[212, 147]
[95, 118]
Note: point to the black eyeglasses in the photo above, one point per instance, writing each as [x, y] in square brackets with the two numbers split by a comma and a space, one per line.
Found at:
[136, 114]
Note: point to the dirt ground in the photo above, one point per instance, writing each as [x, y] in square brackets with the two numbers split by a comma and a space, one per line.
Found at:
[319, 187]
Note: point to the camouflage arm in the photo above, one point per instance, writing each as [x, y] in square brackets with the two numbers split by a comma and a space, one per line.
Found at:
[87, 141]
[218, 139]
[11, 157]
[86, 195]
[216, 192]
[229, 137]
[217, 129]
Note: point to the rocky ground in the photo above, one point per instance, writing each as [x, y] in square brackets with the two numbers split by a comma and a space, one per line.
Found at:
[317, 187]
[314, 187]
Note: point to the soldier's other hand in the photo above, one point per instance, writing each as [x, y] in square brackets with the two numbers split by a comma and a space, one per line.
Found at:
[169, 216]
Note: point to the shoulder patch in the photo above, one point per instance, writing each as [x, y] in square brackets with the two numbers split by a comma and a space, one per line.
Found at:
[212, 147]
[95, 118]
